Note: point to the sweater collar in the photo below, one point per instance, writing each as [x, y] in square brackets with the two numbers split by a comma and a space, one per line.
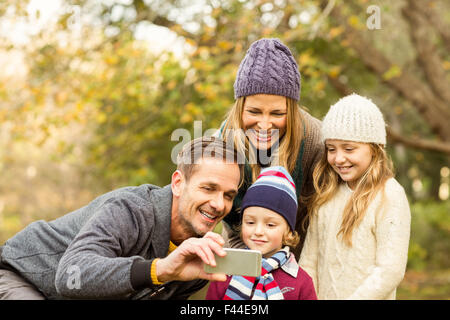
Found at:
[347, 187]
[291, 266]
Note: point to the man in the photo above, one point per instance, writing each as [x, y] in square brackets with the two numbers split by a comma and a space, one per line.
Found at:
[133, 242]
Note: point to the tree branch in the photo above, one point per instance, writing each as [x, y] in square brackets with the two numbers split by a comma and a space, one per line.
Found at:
[426, 52]
[435, 20]
[144, 13]
[315, 28]
[418, 143]
[435, 111]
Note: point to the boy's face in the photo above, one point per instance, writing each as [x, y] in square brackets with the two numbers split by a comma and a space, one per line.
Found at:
[263, 230]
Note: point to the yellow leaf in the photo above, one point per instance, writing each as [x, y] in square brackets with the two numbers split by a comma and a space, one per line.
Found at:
[206, 36]
[238, 47]
[304, 59]
[124, 120]
[393, 72]
[334, 71]
[101, 117]
[185, 118]
[216, 50]
[171, 84]
[334, 32]
[191, 42]
[197, 64]
[189, 106]
[198, 87]
[319, 86]
[111, 60]
[266, 31]
[446, 65]
[131, 91]
[142, 172]
[148, 70]
[345, 43]
[203, 52]
[79, 107]
[225, 45]
[176, 28]
[355, 22]
[11, 224]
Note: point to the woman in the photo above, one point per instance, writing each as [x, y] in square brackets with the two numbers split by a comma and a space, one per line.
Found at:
[269, 127]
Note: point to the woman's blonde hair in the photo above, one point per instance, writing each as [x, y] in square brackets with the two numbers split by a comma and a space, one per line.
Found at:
[326, 182]
[289, 145]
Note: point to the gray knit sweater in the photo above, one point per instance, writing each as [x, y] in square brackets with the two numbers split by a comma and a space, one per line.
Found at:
[102, 250]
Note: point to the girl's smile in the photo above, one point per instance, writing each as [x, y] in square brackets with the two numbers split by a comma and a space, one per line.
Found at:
[349, 159]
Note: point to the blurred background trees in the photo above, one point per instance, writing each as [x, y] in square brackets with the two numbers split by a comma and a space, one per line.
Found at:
[91, 92]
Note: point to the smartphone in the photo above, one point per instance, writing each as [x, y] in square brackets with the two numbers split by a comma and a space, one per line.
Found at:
[240, 262]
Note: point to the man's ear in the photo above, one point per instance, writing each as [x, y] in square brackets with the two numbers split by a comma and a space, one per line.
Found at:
[177, 183]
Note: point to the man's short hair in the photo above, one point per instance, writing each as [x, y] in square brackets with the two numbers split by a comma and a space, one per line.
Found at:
[208, 147]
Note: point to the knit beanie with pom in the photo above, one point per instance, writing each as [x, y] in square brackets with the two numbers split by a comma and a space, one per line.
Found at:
[268, 68]
[354, 118]
[274, 189]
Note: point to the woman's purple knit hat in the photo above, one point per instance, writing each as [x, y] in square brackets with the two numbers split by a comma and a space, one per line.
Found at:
[268, 67]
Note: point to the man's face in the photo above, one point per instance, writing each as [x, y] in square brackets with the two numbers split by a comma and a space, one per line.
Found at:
[207, 197]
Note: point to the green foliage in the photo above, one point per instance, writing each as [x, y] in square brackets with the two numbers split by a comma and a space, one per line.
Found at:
[430, 236]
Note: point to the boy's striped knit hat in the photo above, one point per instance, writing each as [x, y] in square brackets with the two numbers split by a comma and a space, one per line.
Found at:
[274, 189]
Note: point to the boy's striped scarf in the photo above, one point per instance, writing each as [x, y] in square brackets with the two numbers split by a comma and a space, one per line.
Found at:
[266, 288]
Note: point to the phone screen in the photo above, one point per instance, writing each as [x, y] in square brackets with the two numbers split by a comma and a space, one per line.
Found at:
[237, 262]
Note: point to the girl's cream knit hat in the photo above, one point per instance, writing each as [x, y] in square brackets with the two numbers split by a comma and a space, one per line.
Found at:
[354, 118]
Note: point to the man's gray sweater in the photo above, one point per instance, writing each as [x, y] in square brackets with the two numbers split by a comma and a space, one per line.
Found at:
[102, 250]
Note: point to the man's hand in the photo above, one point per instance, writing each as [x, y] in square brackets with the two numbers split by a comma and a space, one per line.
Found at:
[186, 262]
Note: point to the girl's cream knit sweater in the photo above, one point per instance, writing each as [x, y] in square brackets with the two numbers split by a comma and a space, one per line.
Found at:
[375, 265]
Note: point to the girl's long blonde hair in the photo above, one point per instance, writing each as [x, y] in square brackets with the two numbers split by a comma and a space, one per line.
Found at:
[326, 182]
[289, 145]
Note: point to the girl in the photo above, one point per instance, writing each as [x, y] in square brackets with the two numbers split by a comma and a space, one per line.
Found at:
[357, 241]
[268, 126]
[270, 210]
